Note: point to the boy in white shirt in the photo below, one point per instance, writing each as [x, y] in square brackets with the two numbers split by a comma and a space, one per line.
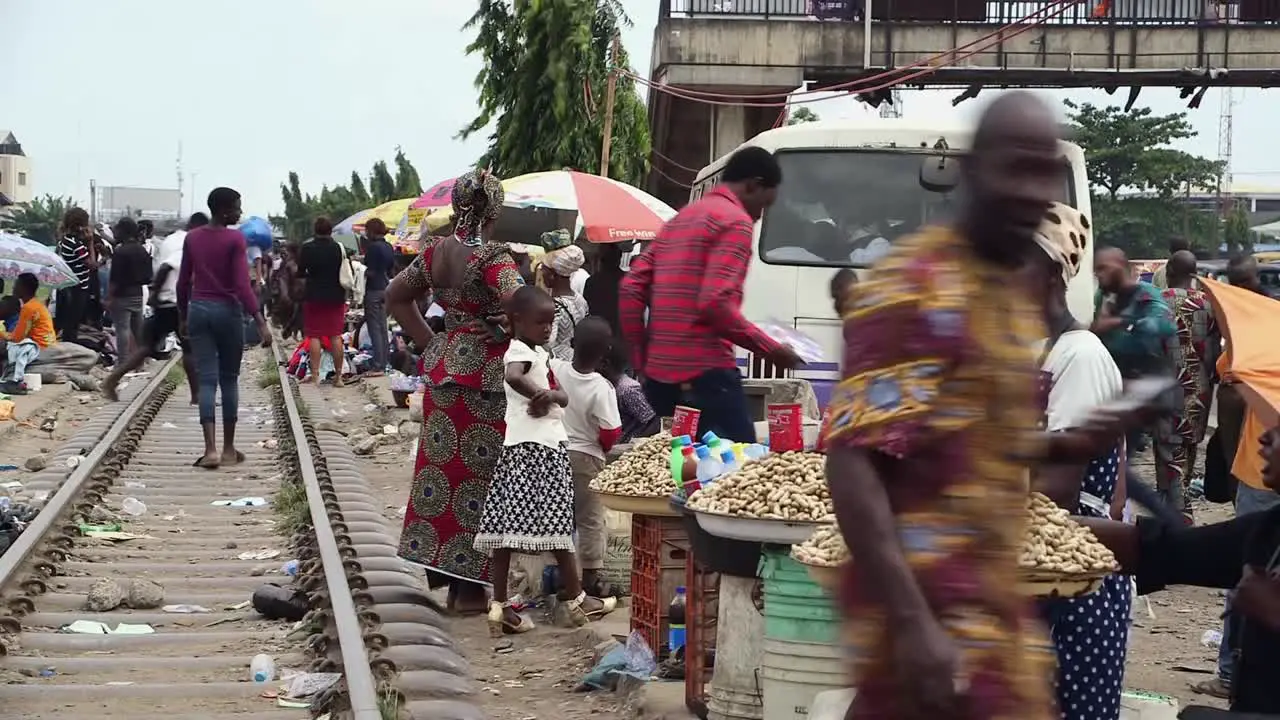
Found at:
[592, 423]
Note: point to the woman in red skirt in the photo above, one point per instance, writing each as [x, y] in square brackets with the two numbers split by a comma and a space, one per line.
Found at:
[324, 299]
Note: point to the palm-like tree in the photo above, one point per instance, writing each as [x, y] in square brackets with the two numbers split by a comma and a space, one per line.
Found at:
[38, 220]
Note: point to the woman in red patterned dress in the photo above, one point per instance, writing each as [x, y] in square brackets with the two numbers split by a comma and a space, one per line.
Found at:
[463, 406]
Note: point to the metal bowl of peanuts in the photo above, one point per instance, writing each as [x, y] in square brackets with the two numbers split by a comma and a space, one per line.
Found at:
[1059, 557]
[780, 498]
[639, 481]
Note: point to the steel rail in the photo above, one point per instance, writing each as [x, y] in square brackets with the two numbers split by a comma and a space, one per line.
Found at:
[361, 691]
[18, 553]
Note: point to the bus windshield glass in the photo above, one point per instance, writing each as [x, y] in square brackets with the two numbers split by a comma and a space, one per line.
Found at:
[846, 208]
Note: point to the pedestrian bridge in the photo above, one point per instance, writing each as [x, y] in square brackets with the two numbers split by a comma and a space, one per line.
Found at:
[753, 47]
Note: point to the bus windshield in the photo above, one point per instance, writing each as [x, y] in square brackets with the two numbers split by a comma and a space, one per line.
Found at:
[846, 208]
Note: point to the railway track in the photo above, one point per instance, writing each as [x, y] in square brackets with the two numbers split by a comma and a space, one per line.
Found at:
[369, 617]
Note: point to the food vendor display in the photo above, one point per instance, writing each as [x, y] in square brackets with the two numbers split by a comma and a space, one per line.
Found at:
[1060, 557]
[640, 480]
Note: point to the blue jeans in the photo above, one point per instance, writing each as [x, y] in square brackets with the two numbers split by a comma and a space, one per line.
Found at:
[1249, 500]
[717, 393]
[216, 332]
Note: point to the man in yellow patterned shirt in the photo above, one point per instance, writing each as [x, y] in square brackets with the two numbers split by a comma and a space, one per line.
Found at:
[927, 438]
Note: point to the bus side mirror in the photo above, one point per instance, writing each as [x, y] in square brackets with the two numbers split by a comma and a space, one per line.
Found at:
[940, 173]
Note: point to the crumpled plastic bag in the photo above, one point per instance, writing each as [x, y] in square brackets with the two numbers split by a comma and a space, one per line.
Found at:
[7, 409]
[633, 659]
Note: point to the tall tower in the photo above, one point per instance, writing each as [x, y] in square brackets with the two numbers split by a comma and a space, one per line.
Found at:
[1226, 122]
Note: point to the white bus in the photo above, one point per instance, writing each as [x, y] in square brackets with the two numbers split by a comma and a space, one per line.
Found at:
[849, 189]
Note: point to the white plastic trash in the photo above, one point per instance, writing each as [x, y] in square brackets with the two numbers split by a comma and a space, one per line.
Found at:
[133, 507]
[262, 669]
[33, 381]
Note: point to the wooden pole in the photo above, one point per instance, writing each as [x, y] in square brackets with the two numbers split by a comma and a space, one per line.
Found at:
[610, 90]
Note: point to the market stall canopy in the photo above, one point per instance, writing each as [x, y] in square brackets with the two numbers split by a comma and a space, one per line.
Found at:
[602, 210]
[1250, 323]
[20, 255]
[437, 196]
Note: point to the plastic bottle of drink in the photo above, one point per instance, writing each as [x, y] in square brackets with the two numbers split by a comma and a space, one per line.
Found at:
[729, 461]
[755, 451]
[678, 444]
[675, 621]
[709, 466]
[262, 669]
[712, 441]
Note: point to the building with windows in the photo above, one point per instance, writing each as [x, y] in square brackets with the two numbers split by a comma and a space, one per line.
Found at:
[15, 172]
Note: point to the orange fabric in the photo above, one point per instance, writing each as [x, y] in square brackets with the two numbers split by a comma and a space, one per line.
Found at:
[34, 323]
[1250, 323]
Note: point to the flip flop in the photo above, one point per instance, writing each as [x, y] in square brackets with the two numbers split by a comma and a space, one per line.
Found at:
[1213, 688]
[239, 459]
[203, 465]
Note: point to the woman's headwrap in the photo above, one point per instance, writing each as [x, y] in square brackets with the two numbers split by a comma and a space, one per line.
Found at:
[477, 201]
[565, 261]
[1064, 235]
[555, 239]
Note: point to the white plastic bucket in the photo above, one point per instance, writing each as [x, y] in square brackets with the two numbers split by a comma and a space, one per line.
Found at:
[33, 381]
[793, 673]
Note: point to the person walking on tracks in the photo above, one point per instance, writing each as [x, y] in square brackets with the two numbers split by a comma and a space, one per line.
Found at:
[214, 296]
[464, 407]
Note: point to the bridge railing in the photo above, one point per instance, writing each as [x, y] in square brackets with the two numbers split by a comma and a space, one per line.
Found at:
[998, 12]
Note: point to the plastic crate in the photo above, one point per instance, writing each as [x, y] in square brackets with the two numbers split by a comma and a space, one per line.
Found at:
[659, 549]
[700, 637]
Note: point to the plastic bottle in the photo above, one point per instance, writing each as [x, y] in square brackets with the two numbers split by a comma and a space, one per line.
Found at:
[133, 506]
[712, 441]
[262, 669]
[678, 444]
[675, 621]
[755, 451]
[709, 466]
[729, 461]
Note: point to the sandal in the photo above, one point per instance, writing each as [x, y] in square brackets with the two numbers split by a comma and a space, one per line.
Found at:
[1216, 687]
[499, 625]
[584, 608]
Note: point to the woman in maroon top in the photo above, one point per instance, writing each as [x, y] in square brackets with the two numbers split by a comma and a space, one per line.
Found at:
[214, 295]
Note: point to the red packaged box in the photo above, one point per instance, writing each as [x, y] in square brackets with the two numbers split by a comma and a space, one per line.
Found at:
[786, 428]
[684, 421]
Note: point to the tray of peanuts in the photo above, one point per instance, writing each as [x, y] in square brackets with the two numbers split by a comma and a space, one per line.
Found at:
[639, 481]
[780, 498]
[1059, 557]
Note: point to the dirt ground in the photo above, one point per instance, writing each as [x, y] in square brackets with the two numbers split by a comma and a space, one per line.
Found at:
[21, 439]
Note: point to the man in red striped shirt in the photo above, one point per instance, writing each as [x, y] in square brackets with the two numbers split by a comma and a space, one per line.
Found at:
[690, 280]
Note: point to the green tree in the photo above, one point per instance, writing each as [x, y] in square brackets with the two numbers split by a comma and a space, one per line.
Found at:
[358, 189]
[1236, 232]
[39, 219]
[382, 187]
[543, 87]
[1137, 178]
[407, 182]
[802, 114]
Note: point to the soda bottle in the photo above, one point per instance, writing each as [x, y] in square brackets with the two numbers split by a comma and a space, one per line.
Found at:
[675, 621]
[262, 669]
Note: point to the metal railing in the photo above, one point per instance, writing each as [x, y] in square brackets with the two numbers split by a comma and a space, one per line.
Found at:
[997, 12]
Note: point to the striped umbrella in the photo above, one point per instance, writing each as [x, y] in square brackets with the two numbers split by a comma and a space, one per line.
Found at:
[607, 210]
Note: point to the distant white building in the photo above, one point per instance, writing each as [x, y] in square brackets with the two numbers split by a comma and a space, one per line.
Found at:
[16, 181]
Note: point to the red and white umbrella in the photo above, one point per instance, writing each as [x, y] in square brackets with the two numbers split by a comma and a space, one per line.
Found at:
[607, 211]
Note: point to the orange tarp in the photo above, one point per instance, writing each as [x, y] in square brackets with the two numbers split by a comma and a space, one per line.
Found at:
[1250, 323]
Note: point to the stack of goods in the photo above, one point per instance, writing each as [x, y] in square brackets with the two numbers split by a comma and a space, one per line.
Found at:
[642, 471]
[788, 486]
[1060, 557]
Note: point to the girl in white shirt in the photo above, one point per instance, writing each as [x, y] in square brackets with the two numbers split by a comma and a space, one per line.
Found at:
[530, 503]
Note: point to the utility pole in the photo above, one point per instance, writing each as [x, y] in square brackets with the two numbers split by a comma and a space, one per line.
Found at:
[611, 89]
[179, 170]
[1226, 199]
[93, 201]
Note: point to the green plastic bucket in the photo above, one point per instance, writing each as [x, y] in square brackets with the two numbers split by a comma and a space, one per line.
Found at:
[796, 609]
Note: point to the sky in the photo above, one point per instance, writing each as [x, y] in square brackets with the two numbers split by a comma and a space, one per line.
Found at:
[107, 91]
